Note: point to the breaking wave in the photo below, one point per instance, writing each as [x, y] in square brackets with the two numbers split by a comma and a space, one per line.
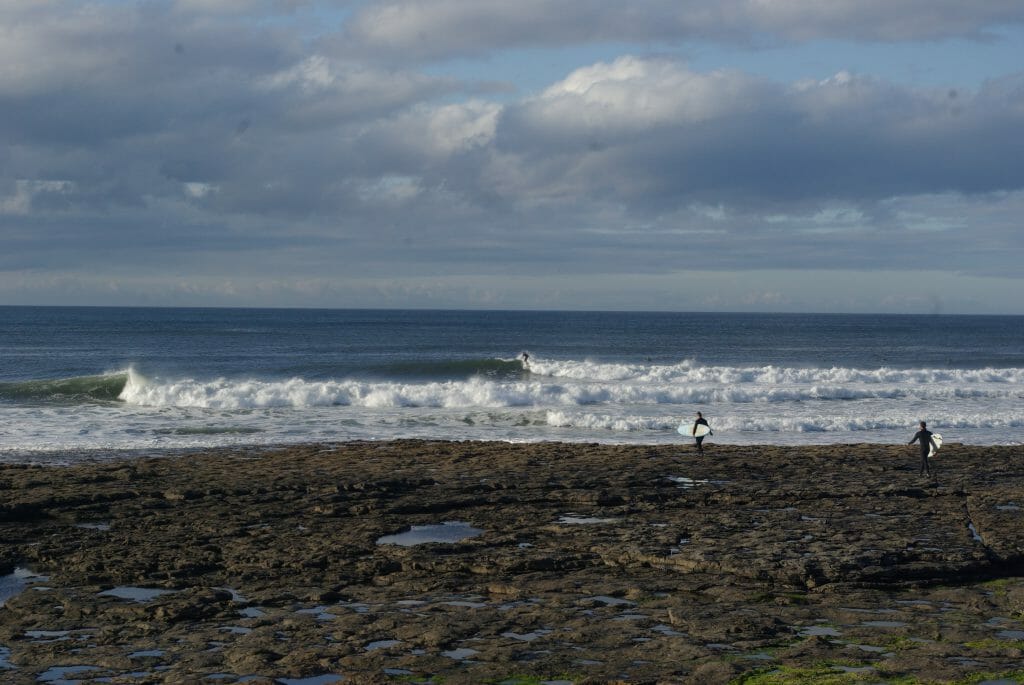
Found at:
[103, 388]
[568, 384]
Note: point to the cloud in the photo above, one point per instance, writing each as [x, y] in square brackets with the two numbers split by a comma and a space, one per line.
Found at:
[215, 140]
[439, 29]
[655, 134]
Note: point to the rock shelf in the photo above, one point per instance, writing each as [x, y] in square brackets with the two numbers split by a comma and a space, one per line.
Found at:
[588, 564]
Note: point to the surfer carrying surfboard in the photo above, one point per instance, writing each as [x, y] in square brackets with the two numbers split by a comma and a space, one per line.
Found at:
[701, 421]
[927, 445]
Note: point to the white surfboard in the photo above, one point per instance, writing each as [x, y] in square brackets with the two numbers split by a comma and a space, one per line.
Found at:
[688, 429]
[932, 449]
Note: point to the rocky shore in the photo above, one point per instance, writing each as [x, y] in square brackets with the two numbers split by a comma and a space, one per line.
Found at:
[558, 563]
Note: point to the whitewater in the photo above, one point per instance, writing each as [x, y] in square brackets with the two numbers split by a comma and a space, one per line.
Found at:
[158, 381]
[554, 400]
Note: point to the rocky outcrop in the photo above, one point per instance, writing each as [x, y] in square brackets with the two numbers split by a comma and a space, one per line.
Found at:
[595, 563]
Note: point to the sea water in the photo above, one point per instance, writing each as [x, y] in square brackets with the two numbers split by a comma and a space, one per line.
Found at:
[96, 383]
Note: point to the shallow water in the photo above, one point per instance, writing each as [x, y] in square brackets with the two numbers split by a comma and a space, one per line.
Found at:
[136, 594]
[14, 583]
[459, 654]
[449, 531]
[574, 520]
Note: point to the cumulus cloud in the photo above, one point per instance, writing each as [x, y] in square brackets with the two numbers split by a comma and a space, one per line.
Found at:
[439, 29]
[678, 137]
[227, 137]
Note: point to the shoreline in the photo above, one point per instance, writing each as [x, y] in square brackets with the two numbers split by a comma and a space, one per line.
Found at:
[68, 457]
[596, 563]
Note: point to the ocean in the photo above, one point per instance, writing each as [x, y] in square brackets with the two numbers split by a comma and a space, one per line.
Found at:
[98, 383]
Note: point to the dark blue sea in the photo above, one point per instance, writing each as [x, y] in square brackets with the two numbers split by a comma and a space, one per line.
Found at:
[95, 383]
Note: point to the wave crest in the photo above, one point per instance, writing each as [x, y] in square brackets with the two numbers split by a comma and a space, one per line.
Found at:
[769, 386]
[106, 387]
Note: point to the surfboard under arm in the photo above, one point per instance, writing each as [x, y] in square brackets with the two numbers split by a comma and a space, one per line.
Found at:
[694, 430]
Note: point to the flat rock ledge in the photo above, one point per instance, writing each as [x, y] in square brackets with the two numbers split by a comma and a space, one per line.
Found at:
[590, 564]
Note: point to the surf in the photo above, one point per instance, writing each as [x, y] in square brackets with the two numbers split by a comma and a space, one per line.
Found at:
[780, 387]
[450, 369]
[99, 388]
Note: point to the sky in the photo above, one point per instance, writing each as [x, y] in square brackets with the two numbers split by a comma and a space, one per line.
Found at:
[681, 155]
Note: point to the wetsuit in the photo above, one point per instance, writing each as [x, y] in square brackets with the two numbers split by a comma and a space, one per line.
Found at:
[699, 438]
[925, 437]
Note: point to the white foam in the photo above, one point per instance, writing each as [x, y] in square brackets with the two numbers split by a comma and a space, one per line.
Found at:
[769, 385]
[576, 401]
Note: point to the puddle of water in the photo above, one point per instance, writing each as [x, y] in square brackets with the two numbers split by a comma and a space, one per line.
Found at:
[853, 669]
[13, 583]
[1008, 507]
[235, 630]
[685, 483]
[136, 594]
[526, 637]
[819, 631]
[460, 653]
[668, 631]
[397, 671]
[98, 525]
[465, 603]
[883, 624]
[251, 612]
[1011, 634]
[320, 612]
[44, 636]
[612, 601]
[382, 644]
[5, 654]
[146, 653]
[576, 520]
[57, 674]
[326, 679]
[974, 532]
[449, 531]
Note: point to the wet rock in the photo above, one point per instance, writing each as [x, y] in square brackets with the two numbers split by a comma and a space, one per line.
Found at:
[607, 562]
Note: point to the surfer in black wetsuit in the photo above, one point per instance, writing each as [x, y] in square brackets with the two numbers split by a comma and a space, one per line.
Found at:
[925, 437]
[701, 421]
